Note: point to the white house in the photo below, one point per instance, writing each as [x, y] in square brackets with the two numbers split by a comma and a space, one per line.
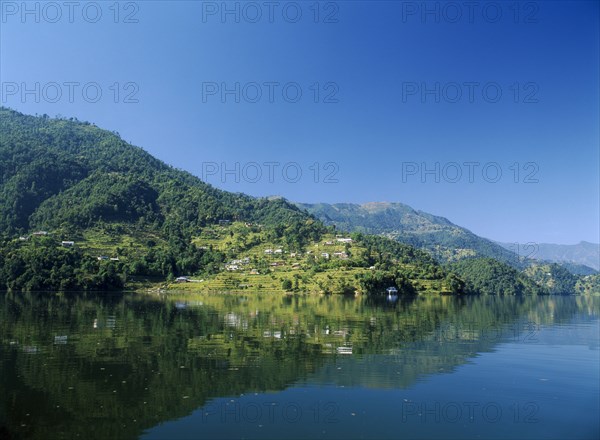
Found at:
[268, 251]
[325, 255]
[344, 240]
[67, 243]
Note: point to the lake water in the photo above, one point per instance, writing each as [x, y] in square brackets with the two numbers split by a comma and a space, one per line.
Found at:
[271, 366]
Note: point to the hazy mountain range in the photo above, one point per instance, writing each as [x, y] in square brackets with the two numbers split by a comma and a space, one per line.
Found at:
[445, 240]
[584, 252]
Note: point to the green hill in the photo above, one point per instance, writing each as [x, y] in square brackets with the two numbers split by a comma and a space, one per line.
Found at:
[492, 277]
[82, 209]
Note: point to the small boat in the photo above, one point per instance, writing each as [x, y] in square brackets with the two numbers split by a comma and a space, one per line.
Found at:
[392, 298]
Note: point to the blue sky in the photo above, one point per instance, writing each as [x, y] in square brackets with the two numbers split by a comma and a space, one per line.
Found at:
[397, 103]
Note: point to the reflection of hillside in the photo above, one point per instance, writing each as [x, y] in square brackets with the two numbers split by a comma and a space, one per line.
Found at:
[112, 367]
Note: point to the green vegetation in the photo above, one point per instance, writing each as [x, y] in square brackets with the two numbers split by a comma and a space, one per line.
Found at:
[44, 265]
[446, 241]
[129, 221]
[135, 220]
[589, 284]
[489, 276]
[256, 260]
[555, 278]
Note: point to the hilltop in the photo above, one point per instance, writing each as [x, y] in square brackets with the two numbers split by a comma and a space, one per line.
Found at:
[443, 239]
[82, 209]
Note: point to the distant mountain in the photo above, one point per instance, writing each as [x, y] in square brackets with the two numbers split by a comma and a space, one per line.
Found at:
[583, 253]
[445, 240]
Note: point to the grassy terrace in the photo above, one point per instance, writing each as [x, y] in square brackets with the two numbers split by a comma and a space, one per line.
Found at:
[255, 260]
[257, 263]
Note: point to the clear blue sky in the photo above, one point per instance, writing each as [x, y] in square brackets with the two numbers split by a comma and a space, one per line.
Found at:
[375, 59]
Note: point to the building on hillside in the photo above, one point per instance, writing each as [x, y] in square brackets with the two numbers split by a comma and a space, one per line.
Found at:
[67, 243]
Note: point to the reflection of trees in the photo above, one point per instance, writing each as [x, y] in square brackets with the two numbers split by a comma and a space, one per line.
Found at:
[112, 367]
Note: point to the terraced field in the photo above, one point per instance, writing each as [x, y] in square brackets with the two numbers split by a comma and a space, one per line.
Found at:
[260, 264]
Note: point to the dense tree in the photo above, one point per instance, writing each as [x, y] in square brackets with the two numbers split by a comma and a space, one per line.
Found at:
[489, 276]
[71, 177]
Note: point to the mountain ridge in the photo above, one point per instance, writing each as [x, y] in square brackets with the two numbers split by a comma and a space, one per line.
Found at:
[81, 209]
[446, 240]
[582, 253]
[438, 235]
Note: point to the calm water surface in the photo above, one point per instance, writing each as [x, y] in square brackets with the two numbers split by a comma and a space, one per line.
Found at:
[267, 366]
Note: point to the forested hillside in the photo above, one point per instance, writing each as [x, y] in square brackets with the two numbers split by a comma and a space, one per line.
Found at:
[81, 209]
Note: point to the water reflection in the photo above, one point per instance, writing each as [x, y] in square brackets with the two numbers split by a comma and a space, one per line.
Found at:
[115, 366]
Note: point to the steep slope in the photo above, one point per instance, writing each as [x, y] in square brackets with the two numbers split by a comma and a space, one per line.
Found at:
[57, 172]
[82, 209]
[445, 240]
[492, 277]
[553, 277]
